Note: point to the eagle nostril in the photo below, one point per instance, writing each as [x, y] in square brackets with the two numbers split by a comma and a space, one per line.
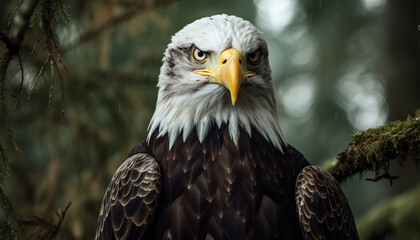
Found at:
[224, 61]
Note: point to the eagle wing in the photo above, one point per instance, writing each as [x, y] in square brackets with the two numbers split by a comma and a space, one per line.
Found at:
[131, 199]
[323, 210]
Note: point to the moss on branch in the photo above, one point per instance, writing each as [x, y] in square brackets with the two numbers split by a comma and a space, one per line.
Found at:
[375, 148]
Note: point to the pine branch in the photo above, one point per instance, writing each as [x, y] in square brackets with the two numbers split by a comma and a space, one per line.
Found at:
[4, 164]
[48, 13]
[10, 230]
[13, 40]
[20, 88]
[18, 24]
[46, 229]
[20, 20]
[375, 148]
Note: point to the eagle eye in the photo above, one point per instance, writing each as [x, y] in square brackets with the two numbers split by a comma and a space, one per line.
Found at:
[254, 56]
[198, 55]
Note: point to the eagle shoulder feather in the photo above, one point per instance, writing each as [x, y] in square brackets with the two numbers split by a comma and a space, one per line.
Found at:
[323, 210]
[131, 198]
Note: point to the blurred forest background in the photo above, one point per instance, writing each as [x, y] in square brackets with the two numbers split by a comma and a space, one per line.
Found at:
[338, 66]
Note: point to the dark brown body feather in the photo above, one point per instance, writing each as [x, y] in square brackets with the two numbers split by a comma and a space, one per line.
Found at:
[225, 191]
[217, 190]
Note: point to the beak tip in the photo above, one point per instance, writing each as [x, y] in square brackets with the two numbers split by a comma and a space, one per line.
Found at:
[233, 99]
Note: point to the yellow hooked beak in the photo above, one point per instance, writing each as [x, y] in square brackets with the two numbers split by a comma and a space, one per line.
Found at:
[229, 73]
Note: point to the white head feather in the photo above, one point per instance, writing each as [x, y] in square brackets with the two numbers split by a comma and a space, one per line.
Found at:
[186, 100]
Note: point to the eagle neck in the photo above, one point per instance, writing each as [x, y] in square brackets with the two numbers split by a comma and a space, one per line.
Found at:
[237, 124]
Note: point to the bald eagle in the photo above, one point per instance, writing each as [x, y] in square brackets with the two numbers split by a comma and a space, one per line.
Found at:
[215, 164]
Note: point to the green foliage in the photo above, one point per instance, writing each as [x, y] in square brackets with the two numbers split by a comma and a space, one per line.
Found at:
[397, 218]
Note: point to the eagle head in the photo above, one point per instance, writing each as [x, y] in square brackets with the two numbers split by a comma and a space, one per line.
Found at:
[215, 71]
